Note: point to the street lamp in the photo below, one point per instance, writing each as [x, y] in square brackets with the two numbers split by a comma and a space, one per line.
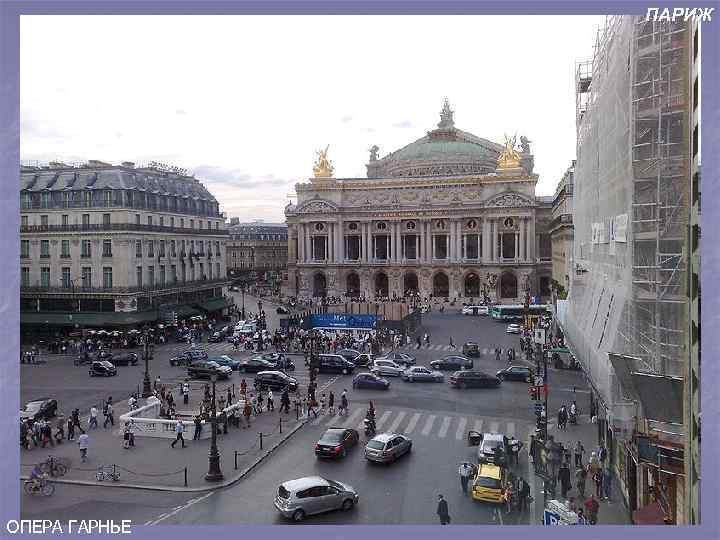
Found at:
[214, 473]
[147, 355]
[243, 301]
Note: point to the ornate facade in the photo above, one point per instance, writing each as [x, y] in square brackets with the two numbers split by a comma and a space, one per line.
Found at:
[449, 215]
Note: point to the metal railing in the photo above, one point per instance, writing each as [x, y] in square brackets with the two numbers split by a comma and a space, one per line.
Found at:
[59, 205]
[104, 227]
[107, 290]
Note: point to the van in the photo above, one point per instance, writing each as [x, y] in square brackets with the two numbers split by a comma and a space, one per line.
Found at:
[488, 483]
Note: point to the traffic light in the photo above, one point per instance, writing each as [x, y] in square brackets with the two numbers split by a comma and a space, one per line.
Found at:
[533, 391]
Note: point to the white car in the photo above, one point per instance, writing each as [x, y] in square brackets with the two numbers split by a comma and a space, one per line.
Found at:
[387, 367]
[514, 329]
[422, 374]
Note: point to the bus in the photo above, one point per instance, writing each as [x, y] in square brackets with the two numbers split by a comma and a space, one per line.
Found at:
[516, 312]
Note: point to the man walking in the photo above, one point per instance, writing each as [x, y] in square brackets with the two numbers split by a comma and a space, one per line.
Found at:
[579, 451]
[83, 441]
[465, 471]
[580, 478]
[198, 428]
[285, 401]
[442, 510]
[179, 430]
[108, 412]
[186, 392]
[524, 494]
[93, 418]
[607, 482]
[270, 403]
[564, 479]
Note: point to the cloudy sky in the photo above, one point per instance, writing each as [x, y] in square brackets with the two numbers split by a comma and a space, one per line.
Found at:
[244, 102]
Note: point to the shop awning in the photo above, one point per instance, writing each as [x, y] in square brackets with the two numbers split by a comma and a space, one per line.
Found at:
[99, 320]
[651, 514]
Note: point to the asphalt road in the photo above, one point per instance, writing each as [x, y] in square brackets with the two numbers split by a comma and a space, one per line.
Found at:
[436, 416]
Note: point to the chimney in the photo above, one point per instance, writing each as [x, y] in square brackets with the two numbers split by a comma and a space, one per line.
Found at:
[128, 164]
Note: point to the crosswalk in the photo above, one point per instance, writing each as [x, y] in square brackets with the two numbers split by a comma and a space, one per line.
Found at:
[427, 424]
[207, 347]
[440, 347]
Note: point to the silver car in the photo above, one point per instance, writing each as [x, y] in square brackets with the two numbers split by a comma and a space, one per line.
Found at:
[422, 374]
[387, 447]
[311, 495]
[387, 367]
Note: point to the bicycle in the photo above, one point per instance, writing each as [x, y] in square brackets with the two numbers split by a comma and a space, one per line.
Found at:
[53, 467]
[39, 487]
[107, 473]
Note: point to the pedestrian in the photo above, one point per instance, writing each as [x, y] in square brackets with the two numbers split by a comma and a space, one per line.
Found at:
[442, 510]
[230, 395]
[71, 431]
[607, 482]
[186, 392]
[260, 400]
[602, 454]
[247, 412]
[331, 403]
[532, 448]
[343, 403]
[524, 494]
[579, 451]
[179, 430]
[221, 403]
[419, 342]
[452, 345]
[156, 386]
[83, 442]
[580, 478]
[311, 405]
[466, 470]
[592, 506]
[92, 424]
[427, 340]
[598, 479]
[270, 403]
[285, 401]
[76, 417]
[109, 418]
[564, 479]
[243, 387]
[198, 427]
[322, 403]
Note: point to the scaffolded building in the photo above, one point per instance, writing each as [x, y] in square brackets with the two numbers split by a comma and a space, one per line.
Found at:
[627, 314]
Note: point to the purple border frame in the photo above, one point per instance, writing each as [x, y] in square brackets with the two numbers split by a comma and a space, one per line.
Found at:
[9, 240]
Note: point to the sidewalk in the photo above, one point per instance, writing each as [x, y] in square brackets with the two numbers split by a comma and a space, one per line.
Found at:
[153, 464]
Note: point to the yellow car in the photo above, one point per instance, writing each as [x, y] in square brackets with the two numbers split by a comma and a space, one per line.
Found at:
[488, 483]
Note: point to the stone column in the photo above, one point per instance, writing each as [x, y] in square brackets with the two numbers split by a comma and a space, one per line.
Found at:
[339, 242]
[531, 240]
[363, 243]
[301, 242]
[429, 242]
[523, 252]
[460, 241]
[330, 244]
[451, 241]
[494, 249]
[517, 246]
[484, 256]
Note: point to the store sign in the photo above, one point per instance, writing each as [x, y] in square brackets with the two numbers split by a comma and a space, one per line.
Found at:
[124, 305]
[342, 320]
[551, 518]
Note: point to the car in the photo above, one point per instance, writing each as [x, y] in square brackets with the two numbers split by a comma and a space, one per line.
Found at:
[226, 360]
[513, 329]
[336, 442]
[451, 363]
[387, 367]
[349, 354]
[487, 486]
[248, 330]
[103, 355]
[475, 310]
[516, 373]
[205, 368]
[275, 380]
[473, 379]
[334, 363]
[363, 360]
[370, 380]
[216, 337]
[488, 448]
[399, 358]
[471, 349]
[102, 368]
[311, 495]
[125, 359]
[37, 409]
[255, 364]
[422, 374]
[188, 357]
[387, 447]
[282, 310]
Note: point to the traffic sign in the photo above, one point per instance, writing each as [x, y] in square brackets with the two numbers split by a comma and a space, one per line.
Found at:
[551, 518]
[538, 407]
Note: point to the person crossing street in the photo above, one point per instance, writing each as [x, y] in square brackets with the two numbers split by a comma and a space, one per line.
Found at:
[179, 430]
[466, 470]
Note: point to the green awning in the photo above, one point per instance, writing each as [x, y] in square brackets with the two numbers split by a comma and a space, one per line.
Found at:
[216, 304]
[559, 350]
[87, 319]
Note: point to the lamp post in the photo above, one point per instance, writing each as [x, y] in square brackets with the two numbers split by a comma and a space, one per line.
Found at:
[147, 355]
[214, 473]
[243, 301]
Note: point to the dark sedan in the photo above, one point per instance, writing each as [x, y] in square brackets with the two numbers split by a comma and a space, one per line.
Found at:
[399, 358]
[278, 361]
[188, 357]
[102, 368]
[471, 349]
[516, 373]
[37, 409]
[368, 380]
[336, 442]
[255, 364]
[275, 380]
[205, 368]
[452, 363]
[473, 379]
[125, 359]
[349, 354]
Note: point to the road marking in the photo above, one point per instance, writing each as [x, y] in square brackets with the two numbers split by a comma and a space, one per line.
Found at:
[460, 433]
[393, 427]
[413, 422]
[444, 427]
[350, 421]
[478, 426]
[510, 430]
[179, 509]
[383, 419]
[494, 427]
[428, 424]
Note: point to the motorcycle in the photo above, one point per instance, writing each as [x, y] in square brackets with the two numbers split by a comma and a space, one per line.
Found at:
[369, 427]
[39, 487]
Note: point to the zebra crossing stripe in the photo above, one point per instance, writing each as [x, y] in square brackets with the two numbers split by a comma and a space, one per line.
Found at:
[413, 422]
[477, 426]
[352, 418]
[428, 424]
[393, 427]
[444, 427]
[460, 433]
[510, 430]
[494, 427]
[383, 419]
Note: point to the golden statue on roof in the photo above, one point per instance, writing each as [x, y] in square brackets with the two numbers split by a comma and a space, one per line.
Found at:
[323, 168]
[509, 157]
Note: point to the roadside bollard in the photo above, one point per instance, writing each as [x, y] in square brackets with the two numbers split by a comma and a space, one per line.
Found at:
[236, 460]
[260, 433]
[185, 476]
[281, 424]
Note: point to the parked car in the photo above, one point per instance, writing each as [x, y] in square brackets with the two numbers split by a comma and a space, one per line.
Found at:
[204, 369]
[451, 363]
[387, 367]
[422, 374]
[188, 357]
[471, 349]
[387, 447]
[334, 363]
[102, 368]
[516, 373]
[370, 380]
[255, 364]
[42, 408]
[399, 358]
[513, 328]
[125, 359]
[336, 442]
[363, 360]
[226, 360]
[349, 354]
[275, 380]
[311, 495]
[473, 379]
[282, 310]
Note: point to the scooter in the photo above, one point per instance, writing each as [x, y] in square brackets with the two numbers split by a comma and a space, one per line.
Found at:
[369, 426]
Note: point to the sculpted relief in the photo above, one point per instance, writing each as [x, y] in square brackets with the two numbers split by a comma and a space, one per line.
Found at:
[511, 200]
[320, 206]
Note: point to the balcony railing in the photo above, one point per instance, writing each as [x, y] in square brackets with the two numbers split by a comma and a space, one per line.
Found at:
[111, 290]
[59, 205]
[105, 227]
